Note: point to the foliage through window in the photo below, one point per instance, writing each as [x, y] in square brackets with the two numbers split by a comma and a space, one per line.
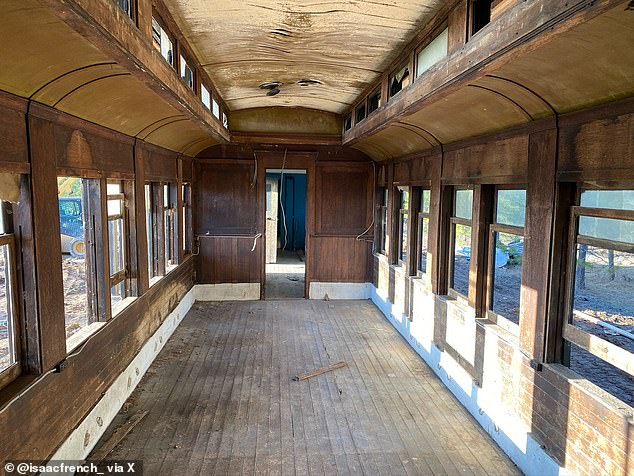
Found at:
[599, 332]
[460, 242]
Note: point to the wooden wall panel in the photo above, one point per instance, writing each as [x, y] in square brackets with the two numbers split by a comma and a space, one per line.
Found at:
[340, 259]
[225, 201]
[160, 165]
[343, 199]
[13, 136]
[228, 260]
[495, 161]
[458, 27]
[417, 170]
[598, 144]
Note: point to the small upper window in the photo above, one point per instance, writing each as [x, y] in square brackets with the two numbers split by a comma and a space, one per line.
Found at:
[225, 121]
[205, 96]
[215, 109]
[399, 80]
[360, 113]
[347, 123]
[187, 73]
[432, 53]
[162, 42]
[374, 101]
[480, 15]
[126, 6]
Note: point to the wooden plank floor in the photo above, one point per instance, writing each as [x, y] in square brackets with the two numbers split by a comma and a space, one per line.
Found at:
[221, 399]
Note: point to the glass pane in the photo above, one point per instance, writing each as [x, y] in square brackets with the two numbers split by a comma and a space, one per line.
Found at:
[464, 204]
[604, 290]
[187, 74]
[205, 96]
[126, 6]
[507, 275]
[425, 201]
[148, 229]
[432, 53]
[114, 188]
[166, 196]
[615, 199]
[116, 246]
[73, 224]
[384, 231]
[602, 374]
[167, 222]
[215, 110]
[7, 338]
[424, 236]
[511, 207]
[461, 257]
[607, 228]
[404, 236]
[117, 294]
[115, 208]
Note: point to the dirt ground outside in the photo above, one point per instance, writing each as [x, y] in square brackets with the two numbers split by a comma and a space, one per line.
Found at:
[75, 298]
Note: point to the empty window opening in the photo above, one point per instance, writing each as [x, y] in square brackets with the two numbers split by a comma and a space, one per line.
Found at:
[347, 123]
[187, 73]
[599, 332]
[162, 42]
[9, 310]
[480, 15]
[122, 287]
[423, 233]
[460, 242]
[403, 212]
[225, 121]
[79, 215]
[186, 218]
[360, 114]
[285, 234]
[399, 81]
[374, 101]
[153, 270]
[506, 250]
[205, 96]
[432, 53]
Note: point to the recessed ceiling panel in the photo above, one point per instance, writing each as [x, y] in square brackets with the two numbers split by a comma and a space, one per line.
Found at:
[343, 45]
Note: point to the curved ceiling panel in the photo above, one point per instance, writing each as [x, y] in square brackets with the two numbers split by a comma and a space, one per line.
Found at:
[182, 136]
[590, 64]
[52, 48]
[345, 45]
[280, 120]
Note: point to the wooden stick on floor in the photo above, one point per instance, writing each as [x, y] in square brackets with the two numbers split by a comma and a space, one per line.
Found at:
[319, 371]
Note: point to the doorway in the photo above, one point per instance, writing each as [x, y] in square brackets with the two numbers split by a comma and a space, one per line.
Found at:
[285, 234]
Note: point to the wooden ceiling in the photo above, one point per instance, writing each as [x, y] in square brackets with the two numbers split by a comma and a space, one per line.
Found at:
[588, 65]
[344, 45]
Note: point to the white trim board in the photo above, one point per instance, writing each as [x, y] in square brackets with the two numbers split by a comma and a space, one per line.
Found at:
[509, 433]
[83, 439]
[339, 290]
[227, 292]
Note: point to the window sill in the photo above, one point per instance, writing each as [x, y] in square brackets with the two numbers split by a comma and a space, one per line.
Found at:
[78, 338]
[507, 334]
[169, 269]
[121, 305]
[458, 305]
[155, 280]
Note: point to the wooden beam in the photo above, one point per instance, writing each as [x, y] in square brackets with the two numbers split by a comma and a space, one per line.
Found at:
[285, 139]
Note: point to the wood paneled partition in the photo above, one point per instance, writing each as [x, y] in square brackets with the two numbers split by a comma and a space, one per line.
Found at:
[230, 205]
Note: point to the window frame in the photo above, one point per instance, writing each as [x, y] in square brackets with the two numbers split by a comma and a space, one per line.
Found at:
[186, 217]
[570, 334]
[133, 14]
[404, 65]
[156, 17]
[169, 209]
[453, 221]
[420, 216]
[382, 218]
[494, 228]
[471, 19]
[185, 62]
[375, 92]
[401, 190]
[13, 371]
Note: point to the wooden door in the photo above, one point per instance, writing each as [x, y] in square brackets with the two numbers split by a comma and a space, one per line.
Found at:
[271, 220]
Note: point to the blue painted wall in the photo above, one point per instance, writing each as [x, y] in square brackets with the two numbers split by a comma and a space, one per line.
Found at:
[294, 199]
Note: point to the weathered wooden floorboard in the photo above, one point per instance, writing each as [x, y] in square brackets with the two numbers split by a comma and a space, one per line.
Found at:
[221, 400]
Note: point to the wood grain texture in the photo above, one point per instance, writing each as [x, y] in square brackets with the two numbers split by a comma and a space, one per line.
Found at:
[220, 398]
